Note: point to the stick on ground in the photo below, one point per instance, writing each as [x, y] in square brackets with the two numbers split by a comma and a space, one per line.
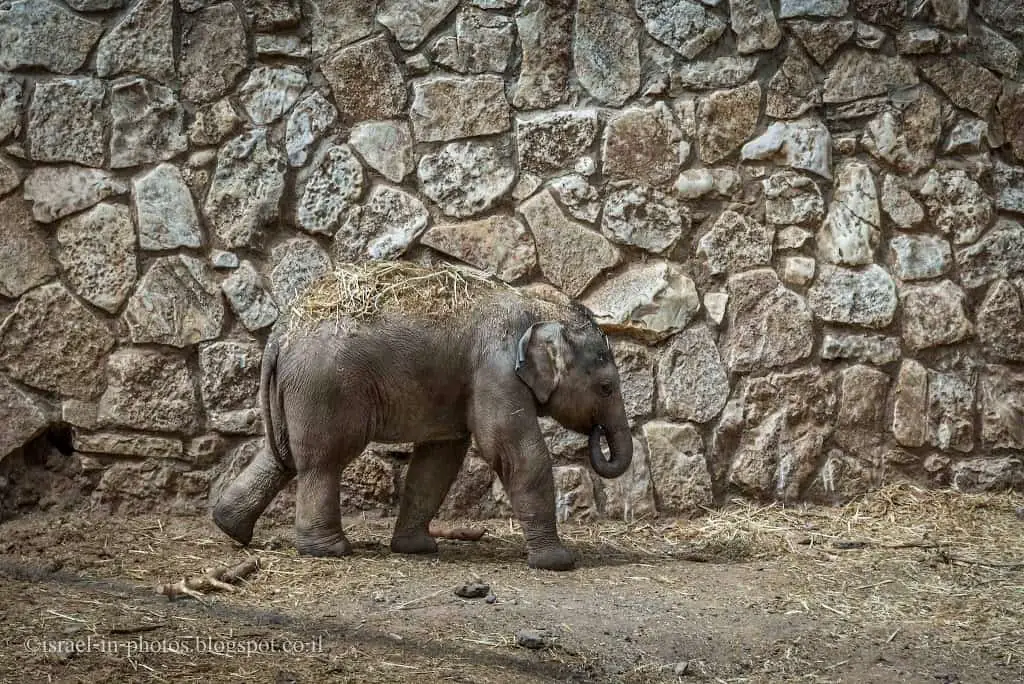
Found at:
[214, 579]
[443, 531]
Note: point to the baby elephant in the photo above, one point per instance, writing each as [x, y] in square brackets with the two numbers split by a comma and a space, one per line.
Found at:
[389, 352]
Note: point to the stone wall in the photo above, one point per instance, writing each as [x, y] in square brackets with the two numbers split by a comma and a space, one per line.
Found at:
[802, 217]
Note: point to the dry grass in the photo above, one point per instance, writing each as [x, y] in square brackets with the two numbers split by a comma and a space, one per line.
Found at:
[369, 289]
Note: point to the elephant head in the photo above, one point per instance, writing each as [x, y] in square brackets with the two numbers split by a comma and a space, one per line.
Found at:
[572, 373]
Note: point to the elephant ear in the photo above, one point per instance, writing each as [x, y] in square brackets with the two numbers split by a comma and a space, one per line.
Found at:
[542, 358]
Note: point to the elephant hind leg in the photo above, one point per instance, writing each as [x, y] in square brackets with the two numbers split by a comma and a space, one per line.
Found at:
[318, 530]
[243, 501]
[432, 470]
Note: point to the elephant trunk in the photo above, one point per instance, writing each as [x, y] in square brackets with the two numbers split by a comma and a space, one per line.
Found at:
[620, 445]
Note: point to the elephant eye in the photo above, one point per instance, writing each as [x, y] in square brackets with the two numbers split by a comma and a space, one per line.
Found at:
[606, 389]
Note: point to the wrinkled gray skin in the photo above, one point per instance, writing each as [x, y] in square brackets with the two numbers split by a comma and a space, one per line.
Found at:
[488, 372]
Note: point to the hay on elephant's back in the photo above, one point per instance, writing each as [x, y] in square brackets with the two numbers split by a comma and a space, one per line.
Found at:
[370, 289]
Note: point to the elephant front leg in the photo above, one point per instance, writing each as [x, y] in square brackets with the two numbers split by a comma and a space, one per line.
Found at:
[432, 470]
[531, 488]
[242, 502]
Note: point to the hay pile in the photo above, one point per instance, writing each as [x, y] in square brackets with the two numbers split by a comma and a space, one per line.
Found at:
[367, 290]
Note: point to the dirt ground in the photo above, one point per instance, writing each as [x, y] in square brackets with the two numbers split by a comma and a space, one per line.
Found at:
[905, 586]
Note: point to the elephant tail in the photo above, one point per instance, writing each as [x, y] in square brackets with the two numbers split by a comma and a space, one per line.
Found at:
[275, 427]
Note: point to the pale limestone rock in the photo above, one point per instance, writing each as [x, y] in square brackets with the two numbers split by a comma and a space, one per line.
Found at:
[59, 191]
[213, 52]
[787, 418]
[570, 254]
[794, 89]
[910, 404]
[382, 227]
[715, 304]
[545, 38]
[804, 144]
[580, 198]
[684, 26]
[294, 264]
[864, 297]
[247, 295]
[957, 205]
[753, 22]
[366, 81]
[269, 92]
[411, 21]
[166, 214]
[851, 229]
[998, 254]
[769, 325]
[934, 315]
[41, 33]
[337, 23]
[813, 8]
[498, 244]
[142, 42]
[67, 121]
[907, 138]
[644, 217]
[21, 418]
[968, 85]
[606, 49]
[631, 496]
[56, 344]
[636, 372]
[246, 189]
[334, 187]
[736, 243]
[860, 347]
[1002, 407]
[797, 270]
[821, 39]
[553, 141]
[722, 72]
[24, 258]
[649, 301]
[791, 198]
[918, 257]
[482, 43]
[213, 123]
[858, 74]
[574, 494]
[452, 107]
[1001, 321]
[128, 402]
[679, 469]
[792, 237]
[123, 443]
[386, 146]
[177, 303]
[643, 144]
[466, 178]
[693, 384]
[726, 118]
[899, 204]
[96, 251]
[951, 410]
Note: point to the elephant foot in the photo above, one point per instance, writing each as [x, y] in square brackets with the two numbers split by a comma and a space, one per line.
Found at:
[334, 547]
[554, 558]
[238, 529]
[419, 542]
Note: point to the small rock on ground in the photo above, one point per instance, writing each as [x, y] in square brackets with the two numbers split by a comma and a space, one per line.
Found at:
[472, 590]
[531, 638]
